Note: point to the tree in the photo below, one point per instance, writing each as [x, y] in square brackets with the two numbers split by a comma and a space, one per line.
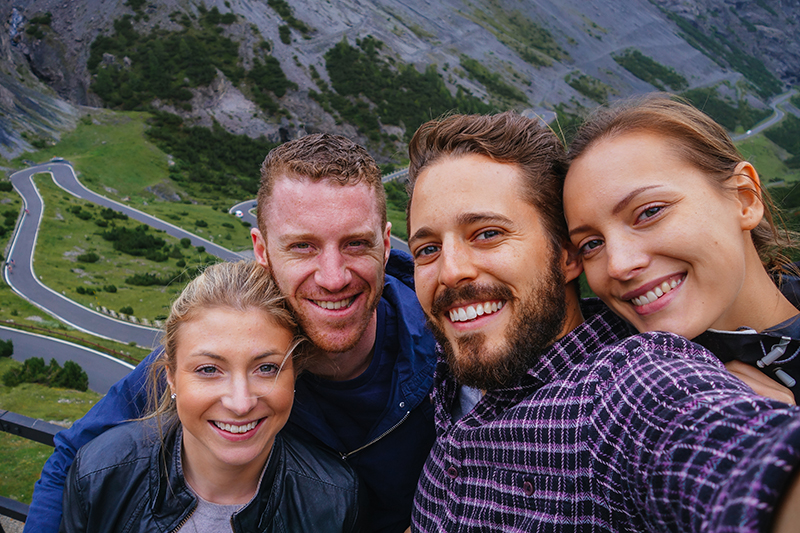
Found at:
[6, 348]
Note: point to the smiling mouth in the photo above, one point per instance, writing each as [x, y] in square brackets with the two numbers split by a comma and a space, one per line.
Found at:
[341, 304]
[471, 312]
[231, 428]
[656, 293]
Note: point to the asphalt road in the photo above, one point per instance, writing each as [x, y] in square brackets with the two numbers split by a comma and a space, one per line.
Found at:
[776, 117]
[23, 280]
[103, 370]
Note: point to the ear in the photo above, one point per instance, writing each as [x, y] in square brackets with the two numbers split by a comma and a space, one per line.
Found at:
[260, 247]
[170, 380]
[748, 194]
[571, 263]
[387, 242]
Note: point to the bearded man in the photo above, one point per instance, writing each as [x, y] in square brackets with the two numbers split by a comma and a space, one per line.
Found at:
[549, 415]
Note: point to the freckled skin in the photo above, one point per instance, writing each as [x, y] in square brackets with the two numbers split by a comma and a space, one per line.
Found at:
[227, 365]
[325, 242]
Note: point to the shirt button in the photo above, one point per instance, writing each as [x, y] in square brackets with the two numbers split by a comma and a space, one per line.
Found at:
[452, 472]
[527, 488]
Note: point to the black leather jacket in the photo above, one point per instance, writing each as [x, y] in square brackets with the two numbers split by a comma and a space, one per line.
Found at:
[122, 482]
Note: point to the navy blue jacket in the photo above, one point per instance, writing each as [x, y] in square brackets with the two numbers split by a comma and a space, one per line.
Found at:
[389, 467]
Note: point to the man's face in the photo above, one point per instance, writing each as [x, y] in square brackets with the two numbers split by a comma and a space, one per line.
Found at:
[486, 275]
[326, 249]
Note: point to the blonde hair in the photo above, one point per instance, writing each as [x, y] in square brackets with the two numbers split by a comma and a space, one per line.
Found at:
[240, 286]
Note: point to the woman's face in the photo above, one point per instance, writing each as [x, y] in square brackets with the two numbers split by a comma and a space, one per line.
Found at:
[234, 386]
[661, 244]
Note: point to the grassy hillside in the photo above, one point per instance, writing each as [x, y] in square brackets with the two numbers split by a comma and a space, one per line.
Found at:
[23, 459]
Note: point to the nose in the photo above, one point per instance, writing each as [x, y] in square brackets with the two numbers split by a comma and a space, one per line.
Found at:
[457, 265]
[332, 272]
[239, 399]
[625, 259]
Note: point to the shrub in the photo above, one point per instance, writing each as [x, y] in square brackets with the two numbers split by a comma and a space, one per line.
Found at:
[72, 376]
[186, 242]
[33, 370]
[90, 257]
[200, 223]
[200, 249]
[181, 263]
[110, 288]
[285, 34]
[6, 348]
[127, 310]
[81, 290]
[5, 186]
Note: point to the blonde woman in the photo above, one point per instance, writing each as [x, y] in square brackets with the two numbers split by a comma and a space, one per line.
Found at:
[210, 457]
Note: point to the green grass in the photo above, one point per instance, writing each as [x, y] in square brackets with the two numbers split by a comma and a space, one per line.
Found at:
[63, 236]
[113, 157]
[767, 158]
[23, 459]
[109, 149]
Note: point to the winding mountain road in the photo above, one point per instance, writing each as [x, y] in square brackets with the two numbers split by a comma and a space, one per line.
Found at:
[22, 278]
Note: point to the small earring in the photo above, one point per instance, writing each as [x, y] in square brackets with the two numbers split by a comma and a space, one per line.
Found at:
[173, 396]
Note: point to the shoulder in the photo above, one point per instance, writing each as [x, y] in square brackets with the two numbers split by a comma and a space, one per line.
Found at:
[125, 444]
[306, 459]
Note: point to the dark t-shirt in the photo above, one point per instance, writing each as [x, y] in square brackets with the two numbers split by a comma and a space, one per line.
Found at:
[352, 407]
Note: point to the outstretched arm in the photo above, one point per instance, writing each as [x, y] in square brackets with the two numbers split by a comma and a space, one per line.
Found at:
[125, 400]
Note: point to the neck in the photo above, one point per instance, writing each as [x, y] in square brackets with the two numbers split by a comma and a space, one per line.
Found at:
[342, 366]
[574, 316]
[220, 483]
[760, 304]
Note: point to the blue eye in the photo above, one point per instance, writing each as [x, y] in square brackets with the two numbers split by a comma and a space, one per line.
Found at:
[427, 250]
[269, 368]
[488, 234]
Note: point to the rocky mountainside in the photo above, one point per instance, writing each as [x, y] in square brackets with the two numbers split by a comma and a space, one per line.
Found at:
[535, 54]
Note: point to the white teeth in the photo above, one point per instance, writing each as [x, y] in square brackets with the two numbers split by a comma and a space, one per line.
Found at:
[235, 429]
[656, 293]
[334, 305]
[471, 312]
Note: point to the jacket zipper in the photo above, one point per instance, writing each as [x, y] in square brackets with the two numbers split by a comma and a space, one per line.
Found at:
[185, 519]
[345, 456]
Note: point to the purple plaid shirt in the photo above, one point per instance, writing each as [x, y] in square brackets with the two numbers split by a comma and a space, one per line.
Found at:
[607, 433]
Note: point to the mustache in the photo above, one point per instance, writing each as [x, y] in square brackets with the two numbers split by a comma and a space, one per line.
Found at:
[469, 293]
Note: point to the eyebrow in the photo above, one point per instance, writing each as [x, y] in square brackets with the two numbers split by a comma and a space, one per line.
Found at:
[463, 219]
[622, 204]
[258, 357]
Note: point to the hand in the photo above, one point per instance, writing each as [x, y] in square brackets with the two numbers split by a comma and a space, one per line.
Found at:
[762, 384]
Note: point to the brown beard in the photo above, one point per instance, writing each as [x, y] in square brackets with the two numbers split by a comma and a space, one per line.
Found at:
[538, 321]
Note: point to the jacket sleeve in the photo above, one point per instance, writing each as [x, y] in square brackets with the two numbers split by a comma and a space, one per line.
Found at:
[125, 400]
[74, 519]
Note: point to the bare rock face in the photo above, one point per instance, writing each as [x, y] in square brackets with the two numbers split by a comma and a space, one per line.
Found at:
[50, 69]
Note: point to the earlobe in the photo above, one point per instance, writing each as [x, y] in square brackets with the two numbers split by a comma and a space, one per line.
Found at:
[571, 262]
[748, 191]
[259, 247]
